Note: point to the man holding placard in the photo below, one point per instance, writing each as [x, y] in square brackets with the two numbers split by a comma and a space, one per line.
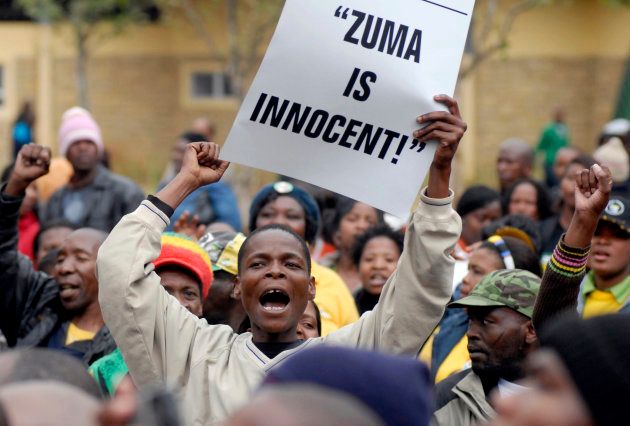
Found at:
[360, 124]
[213, 369]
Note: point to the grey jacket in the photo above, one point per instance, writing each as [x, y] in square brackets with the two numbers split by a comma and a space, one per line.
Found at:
[108, 198]
[461, 401]
[214, 370]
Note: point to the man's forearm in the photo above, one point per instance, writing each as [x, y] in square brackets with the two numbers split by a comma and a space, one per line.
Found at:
[439, 180]
[560, 284]
[177, 190]
[581, 230]
[13, 270]
[9, 214]
[15, 188]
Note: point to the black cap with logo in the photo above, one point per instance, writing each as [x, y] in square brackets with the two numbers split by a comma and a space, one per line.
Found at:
[618, 212]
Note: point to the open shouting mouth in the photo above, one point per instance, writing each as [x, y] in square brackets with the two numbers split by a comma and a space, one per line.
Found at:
[274, 300]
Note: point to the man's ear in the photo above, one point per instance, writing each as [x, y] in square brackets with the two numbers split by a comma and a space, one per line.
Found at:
[311, 288]
[236, 291]
[530, 334]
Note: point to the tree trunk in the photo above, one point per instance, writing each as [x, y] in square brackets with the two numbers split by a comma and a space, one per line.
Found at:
[81, 70]
[234, 57]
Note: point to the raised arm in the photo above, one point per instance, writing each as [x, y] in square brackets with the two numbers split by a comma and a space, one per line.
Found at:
[566, 268]
[154, 332]
[413, 300]
[22, 289]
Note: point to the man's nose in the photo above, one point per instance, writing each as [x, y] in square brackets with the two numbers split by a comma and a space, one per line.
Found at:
[275, 271]
[64, 267]
[473, 331]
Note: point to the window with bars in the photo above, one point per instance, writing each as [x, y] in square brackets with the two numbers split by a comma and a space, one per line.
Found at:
[210, 85]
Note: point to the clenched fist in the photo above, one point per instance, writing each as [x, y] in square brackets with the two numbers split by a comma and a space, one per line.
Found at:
[201, 166]
[32, 162]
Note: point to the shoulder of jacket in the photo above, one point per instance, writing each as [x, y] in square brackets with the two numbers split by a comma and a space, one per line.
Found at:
[443, 391]
[213, 340]
[57, 195]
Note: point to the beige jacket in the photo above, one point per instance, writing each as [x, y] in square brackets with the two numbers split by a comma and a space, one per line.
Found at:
[214, 370]
[461, 401]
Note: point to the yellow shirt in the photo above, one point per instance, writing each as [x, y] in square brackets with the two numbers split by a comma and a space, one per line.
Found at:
[600, 302]
[76, 334]
[457, 360]
[333, 299]
[427, 349]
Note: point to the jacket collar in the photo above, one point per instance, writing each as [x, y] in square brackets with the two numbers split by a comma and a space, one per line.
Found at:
[263, 361]
[619, 291]
[470, 391]
[100, 181]
[101, 178]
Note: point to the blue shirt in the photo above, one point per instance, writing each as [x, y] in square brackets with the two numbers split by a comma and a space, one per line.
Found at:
[212, 203]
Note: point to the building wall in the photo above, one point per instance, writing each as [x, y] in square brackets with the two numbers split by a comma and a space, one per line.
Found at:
[570, 55]
[515, 98]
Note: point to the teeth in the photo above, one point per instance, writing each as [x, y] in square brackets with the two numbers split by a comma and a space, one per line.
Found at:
[273, 308]
[273, 291]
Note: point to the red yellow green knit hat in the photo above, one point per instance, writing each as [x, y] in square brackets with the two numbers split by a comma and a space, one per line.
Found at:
[182, 251]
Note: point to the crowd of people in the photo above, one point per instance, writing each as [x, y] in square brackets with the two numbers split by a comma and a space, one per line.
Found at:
[506, 307]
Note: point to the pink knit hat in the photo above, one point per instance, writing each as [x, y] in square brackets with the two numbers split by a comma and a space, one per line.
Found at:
[77, 124]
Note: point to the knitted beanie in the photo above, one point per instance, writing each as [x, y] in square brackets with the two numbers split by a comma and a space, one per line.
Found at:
[614, 156]
[397, 389]
[596, 353]
[182, 251]
[278, 189]
[78, 124]
[475, 198]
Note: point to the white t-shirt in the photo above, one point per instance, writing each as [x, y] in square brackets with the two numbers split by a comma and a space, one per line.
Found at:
[509, 388]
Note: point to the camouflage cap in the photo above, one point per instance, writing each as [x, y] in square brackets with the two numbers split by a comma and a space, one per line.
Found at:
[512, 288]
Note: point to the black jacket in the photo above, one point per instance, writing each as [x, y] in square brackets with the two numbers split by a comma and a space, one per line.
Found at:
[30, 307]
[108, 198]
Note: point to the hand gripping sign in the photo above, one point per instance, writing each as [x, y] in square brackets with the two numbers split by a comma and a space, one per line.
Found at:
[336, 97]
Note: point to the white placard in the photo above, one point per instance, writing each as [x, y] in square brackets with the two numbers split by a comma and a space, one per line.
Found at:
[336, 97]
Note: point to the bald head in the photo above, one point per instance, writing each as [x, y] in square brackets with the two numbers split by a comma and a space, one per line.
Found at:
[204, 127]
[519, 147]
[23, 365]
[515, 161]
[95, 235]
[47, 403]
[303, 405]
[564, 157]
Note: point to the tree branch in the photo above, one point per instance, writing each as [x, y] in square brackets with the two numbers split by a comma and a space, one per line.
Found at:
[502, 36]
[195, 18]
